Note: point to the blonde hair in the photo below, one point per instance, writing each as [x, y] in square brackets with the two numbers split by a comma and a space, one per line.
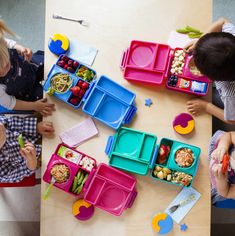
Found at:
[4, 55]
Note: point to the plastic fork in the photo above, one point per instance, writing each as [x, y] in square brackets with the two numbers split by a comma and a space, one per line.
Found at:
[182, 203]
[81, 22]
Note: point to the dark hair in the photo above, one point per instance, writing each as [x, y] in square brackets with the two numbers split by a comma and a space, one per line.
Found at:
[214, 56]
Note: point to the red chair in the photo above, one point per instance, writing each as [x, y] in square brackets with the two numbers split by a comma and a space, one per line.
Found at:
[26, 182]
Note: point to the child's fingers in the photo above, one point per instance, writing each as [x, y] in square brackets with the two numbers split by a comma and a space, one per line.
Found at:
[47, 111]
[49, 126]
[31, 152]
[42, 100]
[25, 153]
[215, 170]
[43, 114]
[29, 145]
[49, 105]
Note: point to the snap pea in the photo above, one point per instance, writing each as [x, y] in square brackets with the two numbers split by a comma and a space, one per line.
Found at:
[79, 189]
[74, 184]
[21, 141]
[182, 31]
[193, 30]
[50, 91]
[194, 35]
[81, 178]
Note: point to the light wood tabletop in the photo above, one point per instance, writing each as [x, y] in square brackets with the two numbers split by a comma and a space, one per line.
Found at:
[113, 24]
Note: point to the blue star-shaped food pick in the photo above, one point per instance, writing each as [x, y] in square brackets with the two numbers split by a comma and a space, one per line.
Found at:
[148, 102]
[183, 227]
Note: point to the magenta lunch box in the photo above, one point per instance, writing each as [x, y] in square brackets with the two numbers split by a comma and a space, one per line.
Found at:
[106, 187]
[150, 63]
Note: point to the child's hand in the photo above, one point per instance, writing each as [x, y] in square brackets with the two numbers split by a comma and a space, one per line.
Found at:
[217, 172]
[44, 107]
[25, 52]
[2, 135]
[28, 152]
[190, 46]
[218, 154]
[45, 128]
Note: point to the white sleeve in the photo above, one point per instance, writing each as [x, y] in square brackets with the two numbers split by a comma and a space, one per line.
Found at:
[10, 43]
[229, 28]
[6, 100]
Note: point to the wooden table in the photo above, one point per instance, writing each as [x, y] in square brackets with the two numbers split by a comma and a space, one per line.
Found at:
[113, 24]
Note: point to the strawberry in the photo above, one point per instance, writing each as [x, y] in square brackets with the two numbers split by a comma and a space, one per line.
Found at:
[80, 83]
[65, 66]
[163, 151]
[75, 90]
[70, 63]
[70, 69]
[61, 63]
[74, 101]
[85, 86]
[81, 93]
[75, 64]
[64, 58]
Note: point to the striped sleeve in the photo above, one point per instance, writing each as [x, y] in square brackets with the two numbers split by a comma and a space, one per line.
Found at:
[229, 108]
[229, 28]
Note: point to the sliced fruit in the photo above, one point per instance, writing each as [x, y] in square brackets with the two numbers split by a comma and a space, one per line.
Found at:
[75, 90]
[74, 101]
[85, 86]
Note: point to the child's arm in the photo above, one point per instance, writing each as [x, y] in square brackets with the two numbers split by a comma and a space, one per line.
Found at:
[23, 51]
[29, 153]
[217, 112]
[45, 128]
[215, 27]
[10, 102]
[222, 148]
[41, 106]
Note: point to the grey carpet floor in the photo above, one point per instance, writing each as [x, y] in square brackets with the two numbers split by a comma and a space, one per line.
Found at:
[27, 19]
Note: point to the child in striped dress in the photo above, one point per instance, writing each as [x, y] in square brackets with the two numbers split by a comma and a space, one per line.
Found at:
[15, 162]
[223, 184]
[214, 56]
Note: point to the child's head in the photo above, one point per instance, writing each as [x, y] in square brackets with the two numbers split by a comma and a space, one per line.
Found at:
[214, 56]
[4, 55]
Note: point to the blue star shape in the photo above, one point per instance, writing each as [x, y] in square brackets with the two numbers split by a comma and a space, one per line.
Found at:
[148, 102]
[183, 227]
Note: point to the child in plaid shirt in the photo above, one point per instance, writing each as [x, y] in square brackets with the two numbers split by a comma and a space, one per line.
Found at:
[15, 162]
